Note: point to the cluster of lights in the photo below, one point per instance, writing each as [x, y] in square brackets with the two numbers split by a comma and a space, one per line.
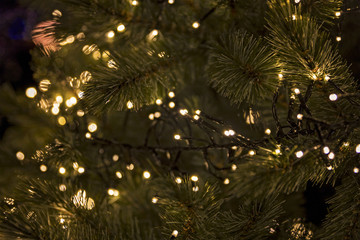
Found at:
[229, 132]
[113, 192]
[81, 201]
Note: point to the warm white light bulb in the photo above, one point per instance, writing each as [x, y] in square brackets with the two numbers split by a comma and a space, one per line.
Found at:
[296, 91]
[20, 156]
[326, 150]
[43, 168]
[299, 116]
[30, 92]
[80, 113]
[120, 28]
[118, 174]
[233, 167]
[226, 181]
[299, 154]
[129, 105]
[194, 178]
[338, 14]
[357, 149]
[115, 157]
[81, 170]
[171, 94]
[151, 116]
[59, 99]
[171, 104]
[154, 200]
[333, 97]
[329, 168]
[175, 233]
[146, 174]
[196, 117]
[61, 121]
[158, 101]
[92, 127]
[251, 152]
[171, 1]
[178, 180]
[338, 38]
[177, 137]
[356, 170]
[110, 34]
[196, 25]
[62, 170]
[267, 131]
[331, 155]
[157, 114]
[88, 135]
[183, 111]
[134, 3]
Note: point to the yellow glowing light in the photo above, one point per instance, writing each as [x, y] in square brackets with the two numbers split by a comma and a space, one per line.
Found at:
[233, 167]
[330, 168]
[146, 174]
[154, 32]
[44, 85]
[134, 3]
[70, 39]
[326, 78]
[116, 193]
[129, 105]
[55, 110]
[30, 92]
[331, 155]
[296, 91]
[314, 77]
[280, 76]
[171, 1]
[118, 174]
[175, 232]
[92, 127]
[346, 144]
[81, 170]
[115, 157]
[333, 97]
[196, 25]
[177, 137]
[267, 131]
[75, 165]
[198, 112]
[61, 120]
[80, 94]
[293, 17]
[356, 170]
[195, 189]
[326, 150]
[183, 111]
[158, 101]
[151, 116]
[80, 113]
[234, 147]
[62, 221]
[111, 191]
[338, 14]
[251, 152]
[171, 104]
[96, 55]
[62, 170]
[226, 181]
[62, 187]
[59, 99]
[178, 180]
[299, 154]
[196, 117]
[277, 151]
[120, 28]
[20, 156]
[43, 168]
[194, 178]
[357, 149]
[299, 116]
[154, 200]
[56, 13]
[157, 114]
[110, 34]
[130, 167]
[88, 135]
[171, 94]
[297, 1]
[73, 100]
[338, 38]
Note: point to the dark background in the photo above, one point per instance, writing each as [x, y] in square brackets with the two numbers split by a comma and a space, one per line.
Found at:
[16, 23]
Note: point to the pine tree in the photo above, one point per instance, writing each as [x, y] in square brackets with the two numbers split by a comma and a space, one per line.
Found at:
[182, 120]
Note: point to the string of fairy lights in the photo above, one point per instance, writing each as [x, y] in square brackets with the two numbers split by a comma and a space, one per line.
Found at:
[80, 199]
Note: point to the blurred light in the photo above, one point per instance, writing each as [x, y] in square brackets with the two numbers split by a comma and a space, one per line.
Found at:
[120, 28]
[20, 156]
[157, 114]
[177, 137]
[226, 181]
[59, 99]
[198, 112]
[299, 154]
[326, 150]
[146, 174]
[158, 101]
[267, 131]
[110, 34]
[299, 116]
[357, 149]
[62, 187]
[171, 1]
[62, 170]
[80, 113]
[171, 94]
[61, 121]
[30, 92]
[129, 105]
[134, 3]
[178, 180]
[183, 111]
[251, 152]
[196, 117]
[118, 174]
[331, 155]
[175, 232]
[356, 170]
[115, 157]
[56, 13]
[130, 167]
[196, 25]
[333, 97]
[151, 116]
[233, 167]
[338, 14]
[329, 168]
[44, 85]
[326, 78]
[92, 127]
[194, 178]
[171, 104]
[338, 38]
[195, 189]
[154, 200]
[88, 135]
[55, 110]
[81, 170]
[43, 168]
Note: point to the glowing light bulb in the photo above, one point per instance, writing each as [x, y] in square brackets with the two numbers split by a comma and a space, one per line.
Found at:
[55, 110]
[280, 76]
[196, 117]
[115, 157]
[357, 149]
[151, 116]
[183, 111]
[177, 137]
[338, 38]
[157, 114]
[226, 181]
[251, 152]
[171, 104]
[61, 121]
[81, 170]
[337, 14]
[178, 180]
[73, 100]
[326, 150]
[129, 105]
[56, 13]
[329, 168]
[88, 135]
[293, 17]
[296, 91]
[326, 78]
[171, 1]
[111, 191]
[194, 178]
[92, 127]
[62, 170]
[116, 193]
[233, 167]
[196, 25]
[198, 112]
[59, 99]
[356, 170]
[234, 148]
[158, 101]
[62, 187]
[331, 155]
[44, 85]
[20, 156]
[154, 200]
[277, 151]
[118, 174]
[130, 167]
[346, 144]
[299, 116]
[134, 3]
[30, 92]
[175, 232]
[110, 34]
[267, 131]
[171, 94]
[146, 174]
[80, 113]
[299, 154]
[43, 168]
[120, 28]
[195, 189]
[333, 97]
[154, 32]
[297, 1]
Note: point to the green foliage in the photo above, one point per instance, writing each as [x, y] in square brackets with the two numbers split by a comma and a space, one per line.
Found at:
[242, 68]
